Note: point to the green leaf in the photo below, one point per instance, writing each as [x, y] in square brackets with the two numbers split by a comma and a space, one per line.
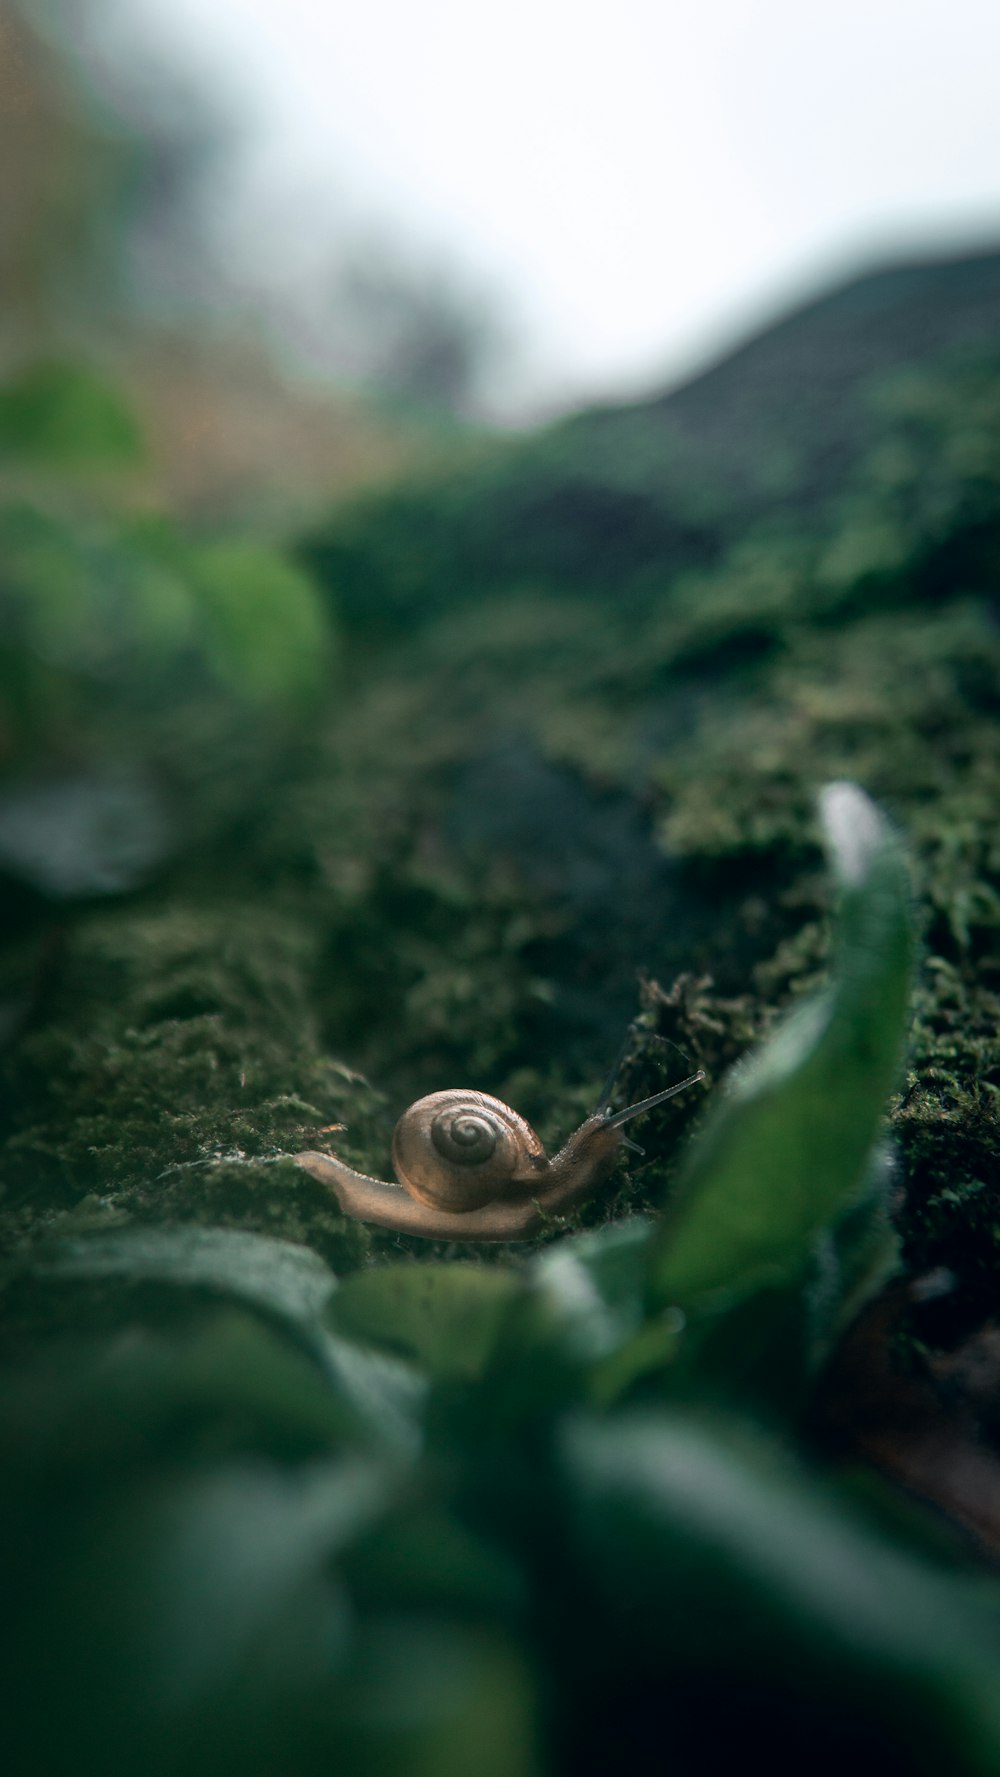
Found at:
[288, 1283]
[266, 634]
[500, 1348]
[444, 1318]
[736, 1562]
[200, 1587]
[595, 1284]
[851, 1261]
[789, 1148]
[420, 1556]
[286, 1280]
[87, 1407]
[594, 1288]
[433, 1696]
[580, 1307]
[66, 416]
[192, 1622]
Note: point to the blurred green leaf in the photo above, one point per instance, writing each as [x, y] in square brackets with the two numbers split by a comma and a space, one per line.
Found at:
[289, 1281]
[432, 1696]
[418, 1555]
[789, 1148]
[99, 832]
[445, 1318]
[734, 1561]
[191, 1622]
[594, 1285]
[200, 1585]
[66, 416]
[851, 1261]
[596, 1282]
[126, 648]
[266, 634]
[501, 1349]
[88, 1408]
[89, 598]
[114, 1274]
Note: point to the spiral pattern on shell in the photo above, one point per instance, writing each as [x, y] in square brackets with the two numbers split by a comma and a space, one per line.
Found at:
[460, 1149]
[466, 1137]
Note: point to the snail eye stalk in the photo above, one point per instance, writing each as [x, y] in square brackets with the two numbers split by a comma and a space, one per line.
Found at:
[647, 1104]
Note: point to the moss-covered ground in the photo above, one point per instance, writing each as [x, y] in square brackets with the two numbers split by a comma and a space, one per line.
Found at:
[559, 776]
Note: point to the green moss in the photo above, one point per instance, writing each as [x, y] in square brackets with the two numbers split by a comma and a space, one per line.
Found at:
[171, 1056]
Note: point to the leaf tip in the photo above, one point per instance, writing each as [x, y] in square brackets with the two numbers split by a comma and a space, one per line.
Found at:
[854, 828]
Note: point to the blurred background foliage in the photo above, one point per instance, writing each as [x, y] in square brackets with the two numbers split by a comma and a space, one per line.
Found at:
[347, 752]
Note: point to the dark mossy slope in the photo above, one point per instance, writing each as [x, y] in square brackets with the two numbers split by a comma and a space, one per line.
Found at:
[589, 688]
[611, 669]
[776, 432]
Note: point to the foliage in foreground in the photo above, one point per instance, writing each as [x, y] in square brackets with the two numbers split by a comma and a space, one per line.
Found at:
[439, 1518]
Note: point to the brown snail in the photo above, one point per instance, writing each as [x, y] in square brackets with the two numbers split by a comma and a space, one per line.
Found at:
[469, 1168]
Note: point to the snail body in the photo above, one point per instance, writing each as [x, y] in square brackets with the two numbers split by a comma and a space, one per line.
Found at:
[470, 1168]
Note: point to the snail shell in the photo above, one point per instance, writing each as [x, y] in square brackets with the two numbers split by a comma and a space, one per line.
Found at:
[458, 1150]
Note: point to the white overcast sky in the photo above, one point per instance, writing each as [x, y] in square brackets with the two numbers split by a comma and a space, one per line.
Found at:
[636, 180]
